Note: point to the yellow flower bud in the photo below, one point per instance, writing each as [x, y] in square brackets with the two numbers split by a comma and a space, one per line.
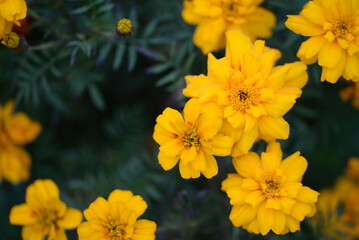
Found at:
[11, 40]
[124, 27]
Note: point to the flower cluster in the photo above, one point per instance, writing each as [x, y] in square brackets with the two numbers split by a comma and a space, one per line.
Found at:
[11, 12]
[266, 192]
[15, 130]
[215, 17]
[338, 211]
[333, 31]
[45, 216]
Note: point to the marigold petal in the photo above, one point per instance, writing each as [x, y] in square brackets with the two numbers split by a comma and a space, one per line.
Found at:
[294, 167]
[283, 103]
[187, 171]
[211, 167]
[329, 55]
[41, 192]
[279, 223]
[307, 195]
[242, 214]
[133, 202]
[255, 198]
[286, 204]
[260, 22]
[314, 13]
[265, 218]
[172, 147]
[273, 204]
[333, 74]
[221, 145]
[33, 232]
[297, 75]
[22, 214]
[209, 35]
[311, 47]
[98, 210]
[189, 154]
[237, 45]
[189, 15]
[293, 224]
[273, 127]
[270, 161]
[166, 162]
[300, 211]
[71, 219]
[303, 26]
[247, 164]
[144, 230]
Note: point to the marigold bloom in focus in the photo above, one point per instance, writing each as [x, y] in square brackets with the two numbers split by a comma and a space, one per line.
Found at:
[215, 17]
[267, 194]
[351, 93]
[333, 30]
[116, 218]
[16, 129]
[251, 93]
[124, 27]
[192, 140]
[44, 215]
[11, 11]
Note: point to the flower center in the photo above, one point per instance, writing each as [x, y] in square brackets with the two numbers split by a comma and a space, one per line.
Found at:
[48, 218]
[341, 27]
[115, 230]
[242, 96]
[270, 187]
[190, 139]
[231, 10]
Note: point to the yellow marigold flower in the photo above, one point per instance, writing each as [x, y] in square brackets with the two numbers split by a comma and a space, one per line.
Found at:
[13, 10]
[333, 30]
[11, 40]
[215, 17]
[351, 93]
[249, 90]
[116, 218]
[192, 140]
[353, 167]
[124, 27]
[44, 215]
[267, 194]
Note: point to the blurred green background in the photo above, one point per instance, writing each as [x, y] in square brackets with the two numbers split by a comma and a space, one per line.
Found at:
[97, 96]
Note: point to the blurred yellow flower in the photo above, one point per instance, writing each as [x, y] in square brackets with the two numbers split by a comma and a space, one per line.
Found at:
[116, 218]
[351, 93]
[251, 93]
[15, 129]
[215, 17]
[44, 215]
[192, 140]
[337, 214]
[333, 30]
[267, 194]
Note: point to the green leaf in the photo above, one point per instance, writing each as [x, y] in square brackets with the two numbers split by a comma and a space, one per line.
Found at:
[132, 58]
[96, 97]
[159, 68]
[168, 78]
[120, 50]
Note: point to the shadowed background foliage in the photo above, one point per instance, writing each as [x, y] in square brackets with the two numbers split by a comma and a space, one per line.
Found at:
[97, 96]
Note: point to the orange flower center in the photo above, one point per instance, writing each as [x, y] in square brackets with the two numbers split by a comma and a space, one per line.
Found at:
[48, 218]
[190, 139]
[242, 96]
[341, 27]
[115, 230]
[270, 186]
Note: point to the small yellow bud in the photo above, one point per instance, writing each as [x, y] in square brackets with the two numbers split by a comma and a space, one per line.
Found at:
[11, 40]
[124, 27]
